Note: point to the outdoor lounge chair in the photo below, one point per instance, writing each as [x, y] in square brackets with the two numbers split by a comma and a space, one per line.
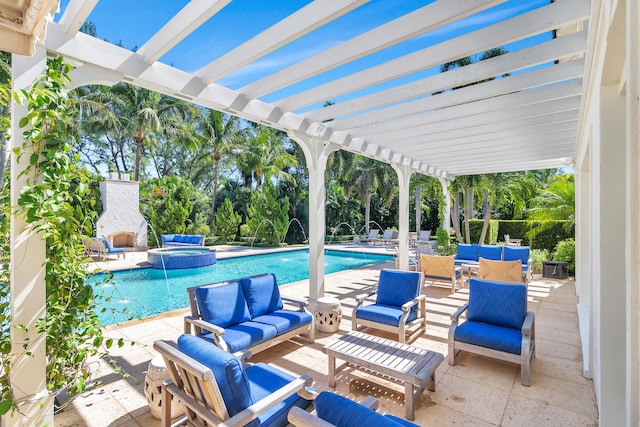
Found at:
[424, 236]
[399, 306]
[507, 271]
[218, 387]
[440, 270]
[101, 247]
[333, 410]
[373, 235]
[498, 325]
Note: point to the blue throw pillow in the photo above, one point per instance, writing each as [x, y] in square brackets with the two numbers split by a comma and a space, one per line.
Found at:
[222, 305]
[343, 412]
[262, 294]
[467, 252]
[396, 287]
[227, 370]
[516, 254]
[497, 303]
[492, 252]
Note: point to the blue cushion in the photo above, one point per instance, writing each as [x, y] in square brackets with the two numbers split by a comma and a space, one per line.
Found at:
[222, 305]
[245, 335]
[469, 252]
[167, 237]
[195, 239]
[492, 252]
[387, 314]
[227, 370]
[430, 276]
[497, 303]
[397, 287]
[262, 294]
[264, 380]
[490, 336]
[284, 320]
[465, 261]
[517, 253]
[343, 412]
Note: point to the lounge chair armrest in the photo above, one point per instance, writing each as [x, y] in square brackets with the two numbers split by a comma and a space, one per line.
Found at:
[360, 298]
[261, 406]
[528, 324]
[202, 324]
[407, 305]
[455, 316]
[296, 301]
[243, 356]
[301, 418]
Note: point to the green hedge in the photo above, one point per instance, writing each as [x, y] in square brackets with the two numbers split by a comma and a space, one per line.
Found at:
[518, 230]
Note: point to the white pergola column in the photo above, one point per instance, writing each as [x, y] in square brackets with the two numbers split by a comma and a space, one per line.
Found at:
[316, 154]
[404, 178]
[446, 220]
[28, 289]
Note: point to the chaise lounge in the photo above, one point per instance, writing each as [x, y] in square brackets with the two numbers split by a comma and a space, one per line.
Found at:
[182, 240]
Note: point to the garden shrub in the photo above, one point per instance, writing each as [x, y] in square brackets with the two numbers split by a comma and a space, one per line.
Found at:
[226, 222]
[267, 215]
[538, 256]
[566, 252]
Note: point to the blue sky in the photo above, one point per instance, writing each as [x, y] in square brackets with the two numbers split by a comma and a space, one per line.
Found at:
[134, 22]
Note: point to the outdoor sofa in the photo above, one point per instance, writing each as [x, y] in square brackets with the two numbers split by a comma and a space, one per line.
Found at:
[471, 254]
[246, 314]
[182, 240]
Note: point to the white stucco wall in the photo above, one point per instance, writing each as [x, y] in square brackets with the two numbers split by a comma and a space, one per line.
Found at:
[121, 201]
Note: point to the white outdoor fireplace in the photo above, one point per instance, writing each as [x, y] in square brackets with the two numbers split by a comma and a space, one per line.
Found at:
[121, 220]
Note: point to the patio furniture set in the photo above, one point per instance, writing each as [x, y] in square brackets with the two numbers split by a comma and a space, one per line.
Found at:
[233, 319]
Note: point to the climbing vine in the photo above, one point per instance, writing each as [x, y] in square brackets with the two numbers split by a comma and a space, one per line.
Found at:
[54, 202]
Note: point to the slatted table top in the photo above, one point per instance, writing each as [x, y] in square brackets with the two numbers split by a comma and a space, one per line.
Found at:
[402, 361]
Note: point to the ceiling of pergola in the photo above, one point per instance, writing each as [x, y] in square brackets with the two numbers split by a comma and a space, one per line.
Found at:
[525, 119]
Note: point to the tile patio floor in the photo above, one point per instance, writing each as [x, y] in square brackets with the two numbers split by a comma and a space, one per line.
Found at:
[477, 391]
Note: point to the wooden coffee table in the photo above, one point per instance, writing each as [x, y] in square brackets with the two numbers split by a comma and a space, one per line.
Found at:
[414, 366]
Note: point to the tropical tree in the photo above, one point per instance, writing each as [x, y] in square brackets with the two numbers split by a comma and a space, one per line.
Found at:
[268, 215]
[556, 202]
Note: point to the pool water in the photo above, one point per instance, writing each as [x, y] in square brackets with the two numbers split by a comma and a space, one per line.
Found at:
[144, 292]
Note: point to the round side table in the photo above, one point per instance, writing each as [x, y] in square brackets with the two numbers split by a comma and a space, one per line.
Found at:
[328, 314]
[156, 374]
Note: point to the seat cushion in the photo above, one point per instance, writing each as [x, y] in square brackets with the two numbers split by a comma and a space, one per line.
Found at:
[467, 252]
[429, 276]
[222, 305]
[519, 253]
[490, 336]
[492, 252]
[245, 335]
[497, 303]
[386, 314]
[397, 287]
[265, 380]
[231, 378]
[262, 294]
[284, 320]
[343, 412]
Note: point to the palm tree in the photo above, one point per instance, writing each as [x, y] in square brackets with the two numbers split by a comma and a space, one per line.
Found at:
[368, 176]
[556, 202]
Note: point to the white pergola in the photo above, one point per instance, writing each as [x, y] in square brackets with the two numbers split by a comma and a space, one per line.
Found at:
[548, 110]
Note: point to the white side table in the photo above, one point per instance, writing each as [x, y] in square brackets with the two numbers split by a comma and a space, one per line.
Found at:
[156, 374]
[328, 314]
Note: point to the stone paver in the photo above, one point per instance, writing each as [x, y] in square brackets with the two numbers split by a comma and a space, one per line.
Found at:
[477, 391]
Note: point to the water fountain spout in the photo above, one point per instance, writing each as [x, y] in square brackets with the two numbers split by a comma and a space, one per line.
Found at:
[301, 228]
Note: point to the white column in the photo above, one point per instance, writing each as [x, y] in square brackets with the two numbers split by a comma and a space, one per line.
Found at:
[316, 153]
[418, 208]
[632, 242]
[446, 220]
[28, 290]
[404, 178]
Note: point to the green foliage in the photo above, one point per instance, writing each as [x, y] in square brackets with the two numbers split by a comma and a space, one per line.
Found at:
[442, 237]
[167, 203]
[268, 216]
[554, 232]
[566, 252]
[538, 256]
[556, 202]
[227, 221]
[54, 201]
[245, 231]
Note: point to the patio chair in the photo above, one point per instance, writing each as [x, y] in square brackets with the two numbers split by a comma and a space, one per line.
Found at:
[217, 387]
[333, 410]
[373, 235]
[498, 325]
[440, 270]
[507, 271]
[399, 306]
[424, 236]
[101, 247]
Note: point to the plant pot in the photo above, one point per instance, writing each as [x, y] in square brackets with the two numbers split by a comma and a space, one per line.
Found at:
[124, 176]
[113, 175]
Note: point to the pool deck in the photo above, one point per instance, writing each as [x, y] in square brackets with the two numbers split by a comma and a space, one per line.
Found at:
[477, 391]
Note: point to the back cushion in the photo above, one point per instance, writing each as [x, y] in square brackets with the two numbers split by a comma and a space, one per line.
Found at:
[194, 239]
[497, 303]
[467, 252]
[492, 252]
[262, 294]
[181, 238]
[397, 287]
[516, 253]
[222, 305]
[227, 370]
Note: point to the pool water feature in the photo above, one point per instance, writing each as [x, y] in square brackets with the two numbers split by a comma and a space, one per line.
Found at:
[144, 292]
[181, 257]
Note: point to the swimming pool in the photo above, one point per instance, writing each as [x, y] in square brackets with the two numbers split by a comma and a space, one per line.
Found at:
[144, 292]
